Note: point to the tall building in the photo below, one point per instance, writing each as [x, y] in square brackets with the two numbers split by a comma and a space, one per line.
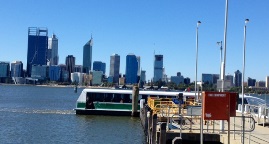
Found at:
[16, 69]
[187, 80]
[251, 82]
[237, 78]
[70, 65]
[54, 73]
[53, 56]
[37, 47]
[267, 81]
[158, 68]
[138, 61]
[207, 78]
[78, 68]
[131, 69]
[4, 69]
[87, 56]
[230, 78]
[143, 76]
[114, 67]
[40, 72]
[99, 66]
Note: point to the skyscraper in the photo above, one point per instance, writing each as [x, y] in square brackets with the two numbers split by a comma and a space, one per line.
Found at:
[53, 56]
[99, 66]
[87, 56]
[70, 65]
[16, 69]
[158, 68]
[37, 47]
[115, 67]
[237, 78]
[131, 69]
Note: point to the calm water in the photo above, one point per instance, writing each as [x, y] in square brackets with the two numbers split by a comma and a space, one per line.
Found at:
[33, 114]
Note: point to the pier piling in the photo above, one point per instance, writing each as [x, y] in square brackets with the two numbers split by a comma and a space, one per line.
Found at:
[135, 100]
[163, 133]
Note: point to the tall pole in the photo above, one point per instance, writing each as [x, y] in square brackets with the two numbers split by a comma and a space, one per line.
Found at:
[198, 23]
[243, 76]
[224, 60]
[220, 43]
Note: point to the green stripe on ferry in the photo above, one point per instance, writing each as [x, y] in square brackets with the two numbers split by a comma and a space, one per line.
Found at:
[113, 106]
[81, 105]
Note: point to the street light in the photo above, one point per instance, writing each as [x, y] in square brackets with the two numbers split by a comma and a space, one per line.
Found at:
[220, 43]
[198, 23]
[243, 75]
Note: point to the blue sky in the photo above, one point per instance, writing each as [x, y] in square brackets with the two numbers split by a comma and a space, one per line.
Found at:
[142, 27]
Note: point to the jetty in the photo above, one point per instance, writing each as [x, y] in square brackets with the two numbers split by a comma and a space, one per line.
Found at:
[165, 122]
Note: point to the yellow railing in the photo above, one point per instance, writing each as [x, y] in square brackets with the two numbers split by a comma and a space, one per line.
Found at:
[162, 105]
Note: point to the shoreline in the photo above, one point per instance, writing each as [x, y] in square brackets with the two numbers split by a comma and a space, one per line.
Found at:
[51, 85]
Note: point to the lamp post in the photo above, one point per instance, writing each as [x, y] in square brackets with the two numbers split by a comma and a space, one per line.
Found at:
[198, 23]
[243, 75]
[220, 43]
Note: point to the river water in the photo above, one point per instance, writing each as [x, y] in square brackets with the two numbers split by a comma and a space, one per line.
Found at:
[36, 114]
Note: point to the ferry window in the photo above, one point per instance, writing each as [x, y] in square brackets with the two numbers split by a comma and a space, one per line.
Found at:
[116, 98]
[99, 97]
[126, 98]
[108, 97]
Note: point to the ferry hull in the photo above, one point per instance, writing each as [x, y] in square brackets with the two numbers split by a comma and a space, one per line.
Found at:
[105, 112]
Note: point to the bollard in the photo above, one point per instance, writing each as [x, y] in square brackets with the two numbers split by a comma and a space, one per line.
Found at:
[163, 133]
[149, 116]
[154, 125]
[135, 100]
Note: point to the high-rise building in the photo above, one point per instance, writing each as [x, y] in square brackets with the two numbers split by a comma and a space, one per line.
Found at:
[267, 81]
[115, 67]
[64, 73]
[40, 72]
[143, 76]
[237, 78]
[87, 56]
[54, 73]
[53, 56]
[230, 78]
[138, 68]
[99, 66]
[158, 68]
[207, 78]
[187, 80]
[260, 84]
[251, 82]
[131, 69]
[70, 65]
[37, 47]
[78, 68]
[4, 69]
[16, 69]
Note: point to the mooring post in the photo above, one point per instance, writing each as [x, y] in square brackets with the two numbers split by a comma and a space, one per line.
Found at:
[163, 133]
[135, 100]
[154, 125]
[149, 117]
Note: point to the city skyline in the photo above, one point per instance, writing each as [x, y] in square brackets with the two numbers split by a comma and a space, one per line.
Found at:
[142, 28]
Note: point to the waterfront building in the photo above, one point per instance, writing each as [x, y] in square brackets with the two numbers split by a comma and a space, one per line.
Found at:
[78, 68]
[97, 77]
[267, 81]
[230, 78]
[99, 66]
[251, 82]
[207, 78]
[64, 73]
[70, 65]
[122, 81]
[53, 56]
[131, 69]
[55, 73]
[138, 63]
[110, 79]
[143, 76]
[177, 79]
[37, 47]
[215, 78]
[40, 72]
[187, 80]
[87, 56]
[260, 84]
[237, 78]
[4, 69]
[16, 69]
[77, 78]
[158, 68]
[114, 67]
